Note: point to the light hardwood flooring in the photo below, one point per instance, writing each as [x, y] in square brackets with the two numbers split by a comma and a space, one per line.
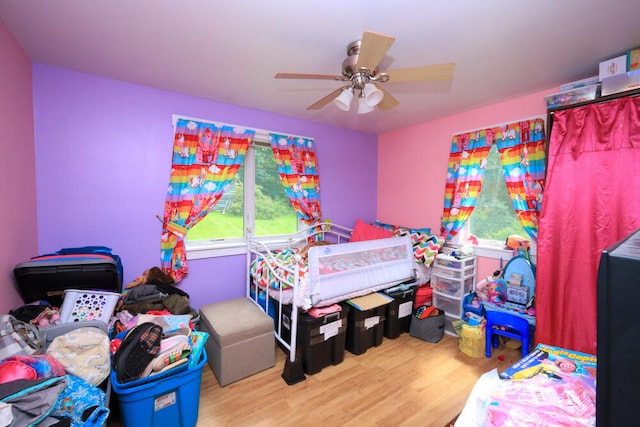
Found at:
[402, 382]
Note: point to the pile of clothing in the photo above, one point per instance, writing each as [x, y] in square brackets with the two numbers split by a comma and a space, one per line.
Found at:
[57, 383]
[153, 328]
[154, 291]
[57, 374]
[151, 344]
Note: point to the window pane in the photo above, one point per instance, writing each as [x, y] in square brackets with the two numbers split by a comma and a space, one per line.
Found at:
[493, 217]
[274, 214]
[227, 219]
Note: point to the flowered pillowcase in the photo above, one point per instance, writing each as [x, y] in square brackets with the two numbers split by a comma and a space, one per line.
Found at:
[425, 245]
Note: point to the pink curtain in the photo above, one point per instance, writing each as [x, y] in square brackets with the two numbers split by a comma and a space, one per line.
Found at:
[591, 200]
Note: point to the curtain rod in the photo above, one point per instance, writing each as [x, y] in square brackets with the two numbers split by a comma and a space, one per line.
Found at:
[259, 132]
[502, 124]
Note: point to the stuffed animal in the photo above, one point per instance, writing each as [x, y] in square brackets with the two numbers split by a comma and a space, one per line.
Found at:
[492, 288]
[152, 275]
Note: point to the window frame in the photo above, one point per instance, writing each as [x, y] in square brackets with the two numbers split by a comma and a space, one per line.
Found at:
[494, 249]
[238, 246]
[487, 250]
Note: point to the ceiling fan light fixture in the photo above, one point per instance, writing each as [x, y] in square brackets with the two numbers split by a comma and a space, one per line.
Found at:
[372, 95]
[363, 107]
[343, 101]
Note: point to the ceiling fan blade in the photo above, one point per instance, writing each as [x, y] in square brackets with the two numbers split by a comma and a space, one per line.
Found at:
[372, 49]
[327, 99]
[424, 73]
[388, 101]
[309, 76]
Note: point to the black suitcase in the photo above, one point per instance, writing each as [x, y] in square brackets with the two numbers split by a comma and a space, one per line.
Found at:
[46, 277]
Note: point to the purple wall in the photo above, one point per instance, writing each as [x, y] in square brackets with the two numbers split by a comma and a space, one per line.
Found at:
[102, 170]
[17, 169]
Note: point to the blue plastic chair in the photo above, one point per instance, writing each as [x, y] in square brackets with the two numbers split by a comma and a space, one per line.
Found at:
[507, 325]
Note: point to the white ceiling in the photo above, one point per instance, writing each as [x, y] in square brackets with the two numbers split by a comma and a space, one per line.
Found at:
[229, 51]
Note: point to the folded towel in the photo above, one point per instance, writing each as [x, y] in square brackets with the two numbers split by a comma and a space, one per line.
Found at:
[321, 311]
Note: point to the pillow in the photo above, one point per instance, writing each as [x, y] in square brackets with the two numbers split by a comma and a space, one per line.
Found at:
[84, 352]
[363, 231]
[425, 246]
[426, 230]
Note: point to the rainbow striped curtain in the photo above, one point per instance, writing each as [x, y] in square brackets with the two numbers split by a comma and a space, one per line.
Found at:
[467, 164]
[522, 155]
[298, 169]
[206, 158]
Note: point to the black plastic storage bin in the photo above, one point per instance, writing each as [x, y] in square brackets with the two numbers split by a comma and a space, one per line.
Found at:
[321, 340]
[398, 314]
[46, 277]
[365, 328]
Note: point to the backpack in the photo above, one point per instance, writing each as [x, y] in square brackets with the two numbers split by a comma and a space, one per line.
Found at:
[18, 338]
[138, 348]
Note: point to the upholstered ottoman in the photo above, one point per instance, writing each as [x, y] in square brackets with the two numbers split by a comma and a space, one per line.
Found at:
[241, 341]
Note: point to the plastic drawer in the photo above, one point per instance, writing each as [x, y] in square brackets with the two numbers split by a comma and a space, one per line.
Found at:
[451, 287]
[454, 273]
[451, 306]
[453, 262]
[448, 325]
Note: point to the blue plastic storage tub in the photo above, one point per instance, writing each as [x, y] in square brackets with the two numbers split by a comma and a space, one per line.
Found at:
[168, 401]
[262, 301]
[468, 308]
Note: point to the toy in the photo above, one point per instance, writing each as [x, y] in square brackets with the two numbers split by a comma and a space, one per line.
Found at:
[515, 242]
[492, 290]
[485, 286]
[426, 311]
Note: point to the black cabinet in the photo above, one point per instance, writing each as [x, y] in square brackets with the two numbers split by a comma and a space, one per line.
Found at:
[618, 329]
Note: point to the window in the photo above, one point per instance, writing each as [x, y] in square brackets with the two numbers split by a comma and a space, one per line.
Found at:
[254, 202]
[493, 218]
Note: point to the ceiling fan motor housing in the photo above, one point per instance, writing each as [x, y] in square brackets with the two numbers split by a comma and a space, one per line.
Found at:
[350, 68]
[349, 65]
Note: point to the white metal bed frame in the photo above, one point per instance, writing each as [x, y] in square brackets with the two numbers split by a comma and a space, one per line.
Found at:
[324, 230]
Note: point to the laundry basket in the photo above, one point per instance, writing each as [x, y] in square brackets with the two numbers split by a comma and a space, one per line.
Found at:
[82, 305]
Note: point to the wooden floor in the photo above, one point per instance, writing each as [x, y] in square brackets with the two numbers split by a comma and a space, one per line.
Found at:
[403, 382]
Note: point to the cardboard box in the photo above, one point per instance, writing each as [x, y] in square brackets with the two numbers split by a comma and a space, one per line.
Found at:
[621, 83]
[633, 59]
[613, 67]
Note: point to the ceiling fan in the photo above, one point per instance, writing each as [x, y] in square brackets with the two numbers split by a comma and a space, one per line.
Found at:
[360, 69]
